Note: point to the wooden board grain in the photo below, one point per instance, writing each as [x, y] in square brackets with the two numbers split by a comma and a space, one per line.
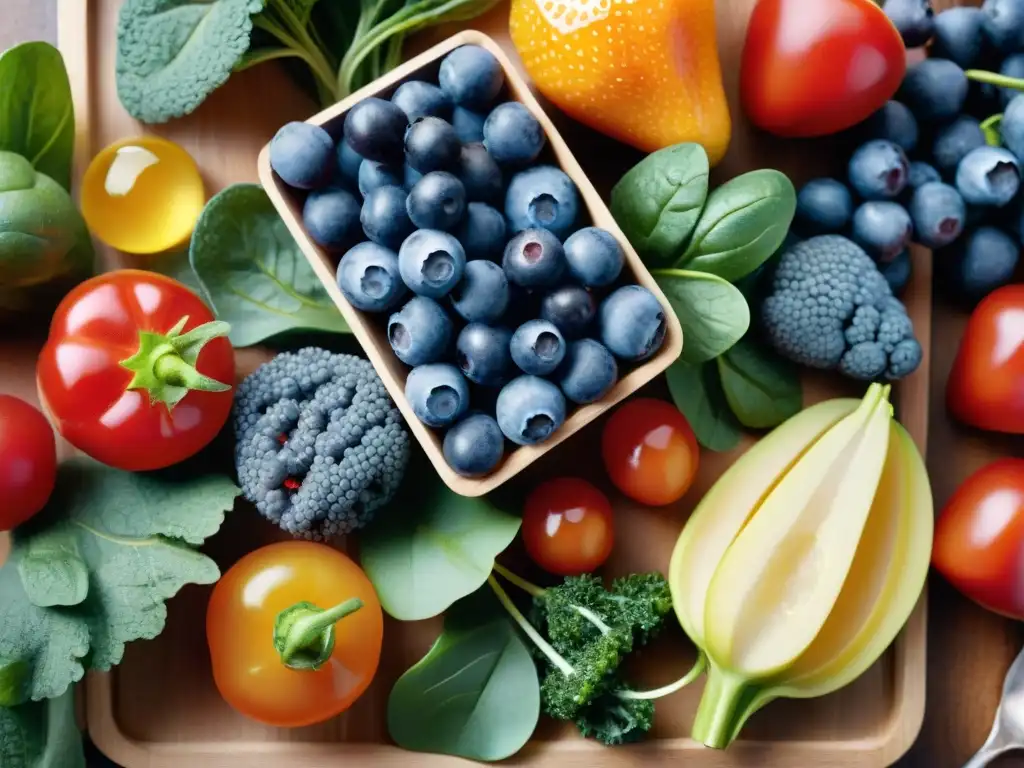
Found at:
[160, 708]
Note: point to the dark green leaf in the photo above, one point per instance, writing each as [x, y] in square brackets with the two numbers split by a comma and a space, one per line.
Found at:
[14, 678]
[658, 202]
[697, 392]
[743, 224]
[41, 735]
[762, 388]
[713, 312]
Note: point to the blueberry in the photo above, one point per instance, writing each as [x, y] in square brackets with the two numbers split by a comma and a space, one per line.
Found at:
[437, 201]
[420, 99]
[542, 197]
[588, 372]
[483, 294]
[373, 175]
[530, 409]
[824, 206]
[897, 272]
[438, 393]
[512, 134]
[534, 259]
[331, 217]
[1013, 67]
[480, 175]
[474, 446]
[348, 164]
[537, 347]
[482, 354]
[632, 323]
[977, 264]
[431, 145]
[878, 170]
[468, 125]
[302, 154]
[988, 176]
[921, 173]
[953, 142]
[894, 122]
[431, 262]
[914, 20]
[958, 36]
[882, 228]
[1012, 126]
[471, 77]
[369, 278]
[410, 177]
[571, 309]
[1004, 24]
[376, 129]
[482, 232]
[384, 217]
[938, 213]
[934, 89]
[420, 332]
[594, 256]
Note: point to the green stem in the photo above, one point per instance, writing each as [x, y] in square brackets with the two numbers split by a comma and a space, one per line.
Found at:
[532, 589]
[175, 372]
[528, 629]
[991, 127]
[696, 671]
[722, 708]
[593, 618]
[304, 634]
[313, 56]
[994, 78]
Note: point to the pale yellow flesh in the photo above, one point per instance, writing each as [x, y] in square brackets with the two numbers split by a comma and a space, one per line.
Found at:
[779, 580]
[732, 500]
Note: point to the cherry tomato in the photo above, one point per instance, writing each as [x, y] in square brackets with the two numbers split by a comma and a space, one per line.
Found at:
[295, 595]
[979, 538]
[135, 372]
[28, 461]
[568, 527]
[650, 451]
[986, 384]
[818, 67]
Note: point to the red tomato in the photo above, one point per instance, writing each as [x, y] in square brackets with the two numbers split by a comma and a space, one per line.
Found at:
[986, 384]
[818, 67]
[979, 538]
[650, 451]
[568, 527]
[135, 372]
[28, 461]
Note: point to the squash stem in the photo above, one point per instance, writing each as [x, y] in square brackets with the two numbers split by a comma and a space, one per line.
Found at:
[725, 700]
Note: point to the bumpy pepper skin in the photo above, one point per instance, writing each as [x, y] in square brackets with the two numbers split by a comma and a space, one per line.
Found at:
[644, 72]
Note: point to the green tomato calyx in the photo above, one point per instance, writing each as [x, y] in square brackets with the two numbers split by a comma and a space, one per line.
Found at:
[304, 634]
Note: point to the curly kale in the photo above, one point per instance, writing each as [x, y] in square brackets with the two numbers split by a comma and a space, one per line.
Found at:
[614, 720]
[320, 445]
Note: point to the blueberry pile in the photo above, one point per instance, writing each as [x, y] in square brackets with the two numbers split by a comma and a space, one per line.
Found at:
[506, 306]
[924, 170]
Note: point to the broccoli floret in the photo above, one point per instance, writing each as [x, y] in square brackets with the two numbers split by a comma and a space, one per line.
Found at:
[320, 445]
[829, 307]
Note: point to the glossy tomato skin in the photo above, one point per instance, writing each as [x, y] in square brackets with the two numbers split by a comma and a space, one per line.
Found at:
[568, 527]
[83, 386]
[240, 619]
[650, 451]
[985, 388]
[979, 538]
[817, 67]
[28, 461]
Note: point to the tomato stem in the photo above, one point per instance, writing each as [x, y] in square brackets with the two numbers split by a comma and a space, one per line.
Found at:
[304, 634]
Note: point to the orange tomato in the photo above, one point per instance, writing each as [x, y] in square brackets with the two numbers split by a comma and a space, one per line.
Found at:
[295, 632]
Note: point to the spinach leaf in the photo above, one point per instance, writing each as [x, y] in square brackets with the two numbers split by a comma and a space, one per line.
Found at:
[474, 695]
[762, 388]
[41, 735]
[697, 392]
[434, 549]
[743, 224]
[657, 203]
[37, 118]
[253, 272]
[713, 312]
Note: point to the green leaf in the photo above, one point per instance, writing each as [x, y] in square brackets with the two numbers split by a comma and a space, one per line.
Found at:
[762, 388]
[429, 555]
[743, 224]
[713, 312]
[37, 118]
[658, 202]
[697, 392]
[13, 679]
[130, 539]
[253, 272]
[474, 695]
[41, 735]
